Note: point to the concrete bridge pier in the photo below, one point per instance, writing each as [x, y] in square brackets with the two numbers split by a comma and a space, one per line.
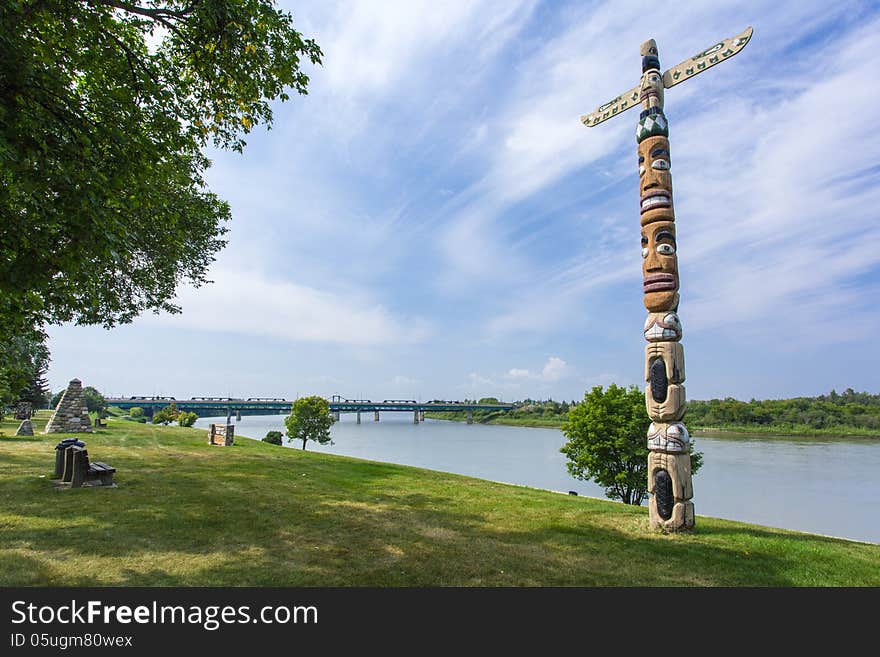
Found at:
[421, 416]
[238, 415]
[415, 417]
[358, 417]
[375, 416]
[335, 415]
[470, 417]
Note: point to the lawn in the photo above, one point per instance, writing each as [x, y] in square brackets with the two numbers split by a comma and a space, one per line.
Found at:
[188, 514]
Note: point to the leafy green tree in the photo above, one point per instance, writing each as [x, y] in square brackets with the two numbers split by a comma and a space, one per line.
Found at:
[187, 418]
[274, 437]
[95, 401]
[23, 356]
[309, 419]
[105, 109]
[166, 415]
[607, 442]
[36, 392]
[135, 411]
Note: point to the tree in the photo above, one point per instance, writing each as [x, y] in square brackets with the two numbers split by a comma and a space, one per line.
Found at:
[56, 398]
[105, 107]
[309, 419]
[95, 401]
[607, 442]
[167, 415]
[135, 411]
[23, 357]
[36, 392]
[274, 437]
[186, 418]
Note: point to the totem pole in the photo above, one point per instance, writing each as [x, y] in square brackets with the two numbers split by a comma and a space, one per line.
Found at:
[669, 463]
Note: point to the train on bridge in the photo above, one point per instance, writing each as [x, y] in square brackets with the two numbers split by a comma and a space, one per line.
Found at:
[229, 406]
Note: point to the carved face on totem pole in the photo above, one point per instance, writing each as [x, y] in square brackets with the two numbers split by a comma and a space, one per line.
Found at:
[662, 327]
[655, 181]
[659, 266]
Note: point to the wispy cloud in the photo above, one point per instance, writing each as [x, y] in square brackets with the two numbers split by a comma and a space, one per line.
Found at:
[247, 303]
[554, 369]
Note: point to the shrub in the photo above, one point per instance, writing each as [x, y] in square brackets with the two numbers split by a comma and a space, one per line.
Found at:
[187, 419]
[136, 411]
[274, 437]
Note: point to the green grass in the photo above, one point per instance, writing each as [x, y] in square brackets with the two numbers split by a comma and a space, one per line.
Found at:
[554, 422]
[791, 430]
[187, 514]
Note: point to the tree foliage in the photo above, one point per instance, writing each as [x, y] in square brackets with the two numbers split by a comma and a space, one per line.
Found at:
[309, 419]
[166, 415]
[95, 401]
[274, 437]
[849, 409]
[23, 361]
[186, 418]
[105, 107]
[36, 392]
[607, 442]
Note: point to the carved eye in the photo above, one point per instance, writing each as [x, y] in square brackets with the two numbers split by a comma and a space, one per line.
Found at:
[641, 170]
[664, 249]
[654, 78]
[662, 165]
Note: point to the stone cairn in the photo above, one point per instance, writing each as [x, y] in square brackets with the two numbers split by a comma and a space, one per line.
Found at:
[26, 428]
[669, 462]
[71, 415]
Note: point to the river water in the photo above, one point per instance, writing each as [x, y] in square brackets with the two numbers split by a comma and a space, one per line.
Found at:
[820, 485]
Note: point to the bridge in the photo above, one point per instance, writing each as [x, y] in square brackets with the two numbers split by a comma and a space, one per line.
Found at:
[217, 406]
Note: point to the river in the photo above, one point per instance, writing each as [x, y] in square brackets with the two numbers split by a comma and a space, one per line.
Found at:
[821, 485]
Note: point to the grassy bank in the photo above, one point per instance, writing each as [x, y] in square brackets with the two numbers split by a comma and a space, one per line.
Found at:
[498, 417]
[800, 430]
[556, 422]
[189, 514]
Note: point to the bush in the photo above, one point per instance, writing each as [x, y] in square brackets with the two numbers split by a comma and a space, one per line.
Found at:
[274, 437]
[187, 419]
[165, 416]
[136, 411]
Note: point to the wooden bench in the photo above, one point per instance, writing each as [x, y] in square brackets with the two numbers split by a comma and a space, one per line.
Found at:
[78, 470]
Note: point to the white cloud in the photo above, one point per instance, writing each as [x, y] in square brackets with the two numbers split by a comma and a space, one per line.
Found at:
[554, 369]
[768, 223]
[374, 46]
[247, 302]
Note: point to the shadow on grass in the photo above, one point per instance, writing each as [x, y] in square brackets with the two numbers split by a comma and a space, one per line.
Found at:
[260, 519]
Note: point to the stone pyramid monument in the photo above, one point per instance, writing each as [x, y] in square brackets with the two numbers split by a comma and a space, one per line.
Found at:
[71, 414]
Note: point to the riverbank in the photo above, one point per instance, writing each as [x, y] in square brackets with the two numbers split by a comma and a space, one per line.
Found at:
[556, 422]
[188, 514]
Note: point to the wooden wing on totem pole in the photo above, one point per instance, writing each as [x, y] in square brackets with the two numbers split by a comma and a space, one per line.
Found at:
[706, 59]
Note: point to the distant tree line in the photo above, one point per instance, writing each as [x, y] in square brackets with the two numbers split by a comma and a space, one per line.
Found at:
[845, 410]
[859, 410]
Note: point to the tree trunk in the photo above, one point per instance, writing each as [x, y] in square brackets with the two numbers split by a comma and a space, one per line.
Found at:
[304, 443]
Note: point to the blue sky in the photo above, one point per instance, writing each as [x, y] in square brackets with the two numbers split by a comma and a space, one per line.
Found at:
[433, 221]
